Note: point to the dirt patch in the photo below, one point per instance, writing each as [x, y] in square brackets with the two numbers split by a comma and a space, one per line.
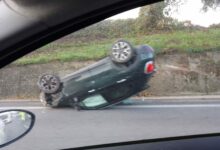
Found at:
[177, 74]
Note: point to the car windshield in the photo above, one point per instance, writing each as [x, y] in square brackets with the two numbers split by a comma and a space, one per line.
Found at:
[93, 101]
[149, 72]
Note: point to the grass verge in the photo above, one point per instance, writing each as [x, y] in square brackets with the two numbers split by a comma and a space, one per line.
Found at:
[179, 41]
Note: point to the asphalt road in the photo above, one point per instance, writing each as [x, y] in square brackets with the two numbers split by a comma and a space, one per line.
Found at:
[152, 118]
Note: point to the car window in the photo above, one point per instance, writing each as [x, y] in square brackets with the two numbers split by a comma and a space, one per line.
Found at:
[94, 101]
[150, 72]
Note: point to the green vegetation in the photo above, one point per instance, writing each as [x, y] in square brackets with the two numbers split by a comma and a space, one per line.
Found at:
[178, 41]
[153, 26]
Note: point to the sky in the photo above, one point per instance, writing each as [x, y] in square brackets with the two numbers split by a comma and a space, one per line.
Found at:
[191, 10]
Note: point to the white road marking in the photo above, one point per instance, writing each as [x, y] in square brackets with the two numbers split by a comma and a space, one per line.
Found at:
[23, 107]
[172, 106]
[132, 106]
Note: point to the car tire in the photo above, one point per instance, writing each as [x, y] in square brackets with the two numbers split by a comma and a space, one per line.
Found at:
[122, 52]
[49, 84]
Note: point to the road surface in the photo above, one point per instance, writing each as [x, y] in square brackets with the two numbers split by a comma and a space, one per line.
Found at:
[151, 118]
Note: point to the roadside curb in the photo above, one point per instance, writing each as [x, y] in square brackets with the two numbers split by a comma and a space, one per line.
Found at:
[172, 98]
[19, 100]
[205, 97]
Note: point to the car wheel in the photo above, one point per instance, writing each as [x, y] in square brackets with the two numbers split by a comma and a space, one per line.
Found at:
[49, 83]
[122, 52]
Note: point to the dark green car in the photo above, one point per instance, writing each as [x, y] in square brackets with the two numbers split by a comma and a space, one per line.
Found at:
[109, 81]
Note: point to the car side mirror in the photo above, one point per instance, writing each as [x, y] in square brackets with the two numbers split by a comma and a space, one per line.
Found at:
[14, 124]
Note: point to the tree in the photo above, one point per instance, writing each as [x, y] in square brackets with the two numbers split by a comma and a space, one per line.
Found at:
[213, 4]
[152, 18]
[172, 5]
[157, 16]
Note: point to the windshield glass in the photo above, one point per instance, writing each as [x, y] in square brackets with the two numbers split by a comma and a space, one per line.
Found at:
[150, 72]
[93, 101]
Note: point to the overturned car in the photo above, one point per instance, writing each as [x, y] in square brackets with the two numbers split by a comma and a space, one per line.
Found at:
[124, 73]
